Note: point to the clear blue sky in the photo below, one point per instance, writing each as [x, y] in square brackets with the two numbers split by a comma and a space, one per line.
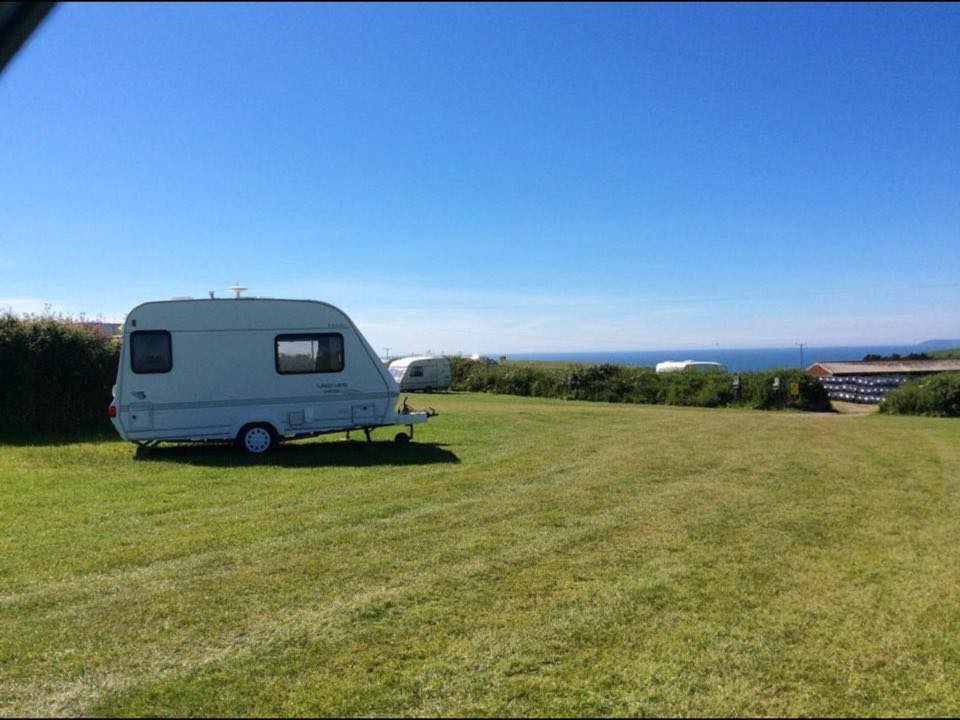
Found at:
[496, 178]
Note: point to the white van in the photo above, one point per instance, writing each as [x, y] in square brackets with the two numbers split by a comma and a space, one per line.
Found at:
[251, 370]
[421, 373]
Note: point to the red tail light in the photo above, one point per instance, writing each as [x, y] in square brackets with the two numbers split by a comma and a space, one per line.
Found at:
[112, 410]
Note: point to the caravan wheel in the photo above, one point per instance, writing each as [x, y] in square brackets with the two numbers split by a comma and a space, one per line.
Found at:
[256, 439]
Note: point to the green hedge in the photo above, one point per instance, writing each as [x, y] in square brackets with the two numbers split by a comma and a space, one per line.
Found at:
[931, 395]
[621, 383]
[55, 375]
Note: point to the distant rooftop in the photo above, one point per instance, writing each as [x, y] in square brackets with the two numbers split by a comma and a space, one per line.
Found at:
[884, 367]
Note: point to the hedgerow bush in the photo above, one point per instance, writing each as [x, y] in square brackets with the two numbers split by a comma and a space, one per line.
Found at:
[606, 383]
[621, 383]
[702, 389]
[55, 375]
[937, 395]
[759, 392]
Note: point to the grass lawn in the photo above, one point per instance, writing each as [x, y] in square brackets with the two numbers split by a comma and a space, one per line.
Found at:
[524, 557]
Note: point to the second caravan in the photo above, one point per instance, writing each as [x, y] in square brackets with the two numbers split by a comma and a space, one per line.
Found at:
[421, 373]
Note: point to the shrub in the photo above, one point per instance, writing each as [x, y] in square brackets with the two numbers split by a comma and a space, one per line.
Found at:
[606, 383]
[644, 385]
[620, 383]
[758, 390]
[897, 356]
[54, 375]
[513, 381]
[930, 395]
[459, 369]
[703, 389]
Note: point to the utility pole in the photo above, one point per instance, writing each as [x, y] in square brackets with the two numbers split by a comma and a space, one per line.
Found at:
[801, 354]
[386, 352]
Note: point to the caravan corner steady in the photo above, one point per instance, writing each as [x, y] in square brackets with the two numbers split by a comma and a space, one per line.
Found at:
[251, 370]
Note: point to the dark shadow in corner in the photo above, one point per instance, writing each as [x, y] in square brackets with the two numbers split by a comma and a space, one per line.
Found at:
[309, 454]
[88, 434]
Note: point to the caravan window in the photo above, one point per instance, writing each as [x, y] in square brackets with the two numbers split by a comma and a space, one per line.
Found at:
[150, 351]
[417, 371]
[313, 353]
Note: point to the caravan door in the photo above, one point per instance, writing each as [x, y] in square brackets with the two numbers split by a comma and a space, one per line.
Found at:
[150, 360]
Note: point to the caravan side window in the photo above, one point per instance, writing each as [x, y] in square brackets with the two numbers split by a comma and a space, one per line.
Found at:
[309, 353]
[417, 371]
[150, 351]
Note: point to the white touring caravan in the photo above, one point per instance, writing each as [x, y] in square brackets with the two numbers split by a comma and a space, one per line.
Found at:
[421, 373]
[681, 365]
[251, 370]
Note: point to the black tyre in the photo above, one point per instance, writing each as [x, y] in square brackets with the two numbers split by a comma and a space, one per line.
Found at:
[256, 439]
[401, 438]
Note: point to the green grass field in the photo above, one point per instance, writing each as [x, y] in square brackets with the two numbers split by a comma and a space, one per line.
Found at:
[529, 557]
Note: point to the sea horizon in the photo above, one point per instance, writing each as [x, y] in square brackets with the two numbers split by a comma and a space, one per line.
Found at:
[735, 359]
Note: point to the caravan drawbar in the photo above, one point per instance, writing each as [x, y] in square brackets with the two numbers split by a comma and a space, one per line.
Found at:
[252, 370]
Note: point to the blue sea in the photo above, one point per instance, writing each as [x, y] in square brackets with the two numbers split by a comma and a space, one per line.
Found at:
[738, 360]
